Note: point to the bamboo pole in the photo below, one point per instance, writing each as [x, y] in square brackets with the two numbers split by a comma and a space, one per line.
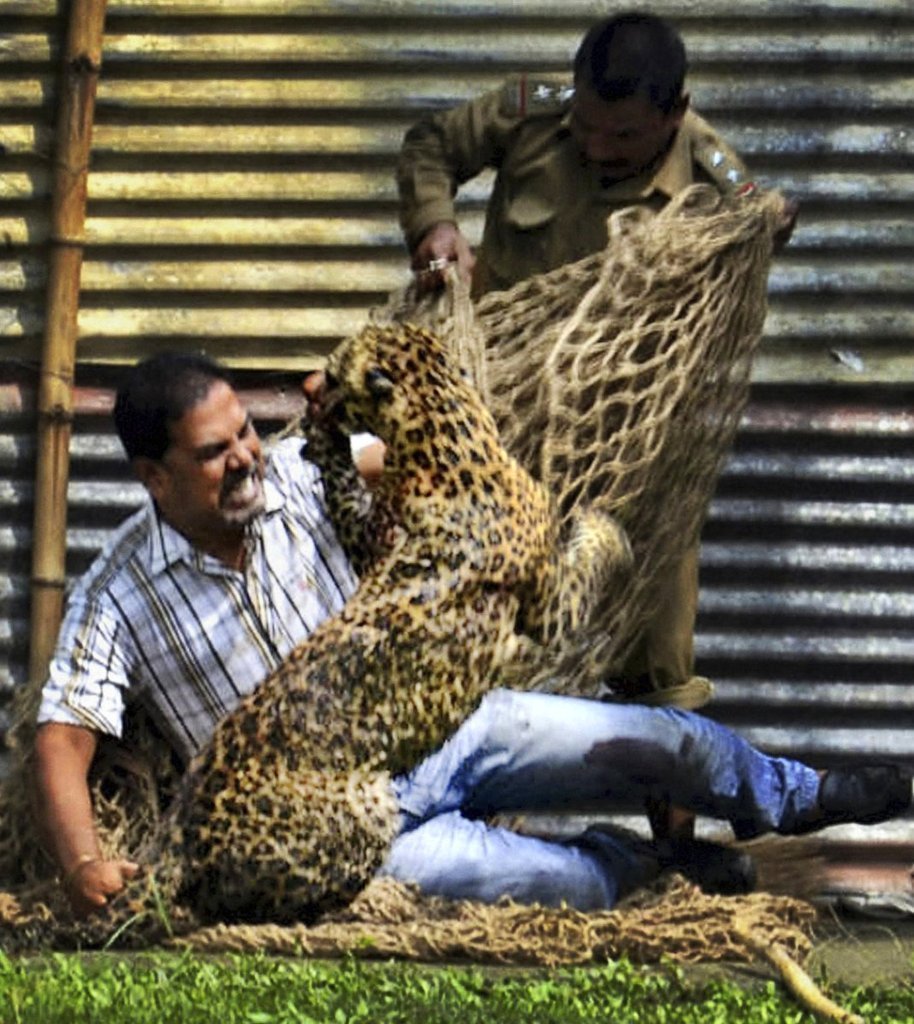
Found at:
[79, 80]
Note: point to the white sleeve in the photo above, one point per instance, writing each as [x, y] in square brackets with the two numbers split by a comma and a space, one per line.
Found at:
[88, 674]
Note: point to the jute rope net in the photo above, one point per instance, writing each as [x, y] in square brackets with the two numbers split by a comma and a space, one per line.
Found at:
[673, 920]
[618, 381]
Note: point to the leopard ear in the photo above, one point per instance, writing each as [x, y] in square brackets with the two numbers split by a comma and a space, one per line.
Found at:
[378, 384]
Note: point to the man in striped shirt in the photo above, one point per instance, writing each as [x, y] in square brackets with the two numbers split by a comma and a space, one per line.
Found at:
[197, 597]
[232, 562]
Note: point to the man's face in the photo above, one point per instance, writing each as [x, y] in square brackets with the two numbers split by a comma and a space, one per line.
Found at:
[210, 480]
[623, 137]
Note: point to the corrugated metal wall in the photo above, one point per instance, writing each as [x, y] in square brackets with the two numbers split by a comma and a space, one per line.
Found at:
[241, 194]
[242, 201]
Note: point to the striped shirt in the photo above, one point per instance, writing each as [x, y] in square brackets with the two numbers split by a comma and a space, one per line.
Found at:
[157, 622]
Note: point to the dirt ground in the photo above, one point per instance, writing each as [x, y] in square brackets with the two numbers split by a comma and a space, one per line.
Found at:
[849, 951]
[862, 952]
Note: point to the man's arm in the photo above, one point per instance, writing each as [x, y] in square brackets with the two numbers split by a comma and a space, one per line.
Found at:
[348, 479]
[63, 755]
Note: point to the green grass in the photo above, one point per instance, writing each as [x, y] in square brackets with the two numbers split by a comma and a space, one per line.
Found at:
[187, 989]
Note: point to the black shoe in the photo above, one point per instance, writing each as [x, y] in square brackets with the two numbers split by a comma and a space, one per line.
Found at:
[715, 869]
[862, 796]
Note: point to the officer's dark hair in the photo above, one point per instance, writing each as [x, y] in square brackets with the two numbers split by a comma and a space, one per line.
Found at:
[633, 54]
[157, 392]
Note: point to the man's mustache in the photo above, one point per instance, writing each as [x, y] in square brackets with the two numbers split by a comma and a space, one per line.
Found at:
[238, 477]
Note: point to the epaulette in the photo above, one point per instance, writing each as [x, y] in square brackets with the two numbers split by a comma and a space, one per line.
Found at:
[540, 96]
[719, 160]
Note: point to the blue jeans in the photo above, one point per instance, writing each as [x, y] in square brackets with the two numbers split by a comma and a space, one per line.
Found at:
[536, 752]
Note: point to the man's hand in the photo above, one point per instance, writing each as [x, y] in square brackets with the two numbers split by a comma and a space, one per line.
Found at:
[92, 882]
[369, 459]
[442, 244]
[788, 221]
[313, 388]
[319, 411]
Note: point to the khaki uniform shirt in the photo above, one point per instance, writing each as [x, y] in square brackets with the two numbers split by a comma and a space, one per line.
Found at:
[549, 206]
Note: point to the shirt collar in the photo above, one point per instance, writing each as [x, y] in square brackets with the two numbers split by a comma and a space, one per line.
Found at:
[166, 545]
[672, 175]
[675, 172]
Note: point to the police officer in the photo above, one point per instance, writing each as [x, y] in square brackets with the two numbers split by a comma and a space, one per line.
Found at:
[566, 156]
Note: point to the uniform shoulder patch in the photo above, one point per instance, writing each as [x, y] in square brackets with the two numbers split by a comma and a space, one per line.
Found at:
[536, 96]
[718, 159]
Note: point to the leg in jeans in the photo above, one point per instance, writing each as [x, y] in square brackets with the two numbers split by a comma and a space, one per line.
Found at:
[543, 753]
[459, 858]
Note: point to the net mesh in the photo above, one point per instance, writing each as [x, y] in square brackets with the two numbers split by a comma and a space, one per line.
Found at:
[619, 382]
[673, 920]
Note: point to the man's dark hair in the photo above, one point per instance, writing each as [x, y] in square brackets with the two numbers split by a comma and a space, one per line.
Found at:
[633, 54]
[157, 392]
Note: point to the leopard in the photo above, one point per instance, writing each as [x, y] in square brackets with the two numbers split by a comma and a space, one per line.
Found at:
[289, 810]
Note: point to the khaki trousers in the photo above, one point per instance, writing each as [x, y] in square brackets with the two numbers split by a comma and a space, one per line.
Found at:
[664, 656]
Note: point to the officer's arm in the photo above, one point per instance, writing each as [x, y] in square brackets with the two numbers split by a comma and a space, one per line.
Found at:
[443, 151]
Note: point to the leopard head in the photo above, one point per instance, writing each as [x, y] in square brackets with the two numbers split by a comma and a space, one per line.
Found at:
[391, 379]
